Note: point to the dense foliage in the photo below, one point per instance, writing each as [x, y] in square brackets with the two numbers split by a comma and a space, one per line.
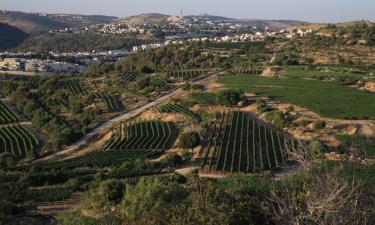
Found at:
[10, 36]
[77, 42]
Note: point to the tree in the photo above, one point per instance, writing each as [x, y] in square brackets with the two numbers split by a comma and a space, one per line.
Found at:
[112, 190]
[189, 140]
[229, 97]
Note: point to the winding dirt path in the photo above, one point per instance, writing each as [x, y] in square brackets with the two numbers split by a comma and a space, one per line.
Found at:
[87, 143]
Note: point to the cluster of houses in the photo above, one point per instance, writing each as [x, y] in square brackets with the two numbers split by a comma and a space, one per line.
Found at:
[148, 46]
[39, 66]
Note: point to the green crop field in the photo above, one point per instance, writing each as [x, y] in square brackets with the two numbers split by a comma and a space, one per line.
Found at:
[113, 102]
[318, 74]
[17, 140]
[74, 85]
[150, 135]
[328, 99]
[175, 108]
[6, 115]
[203, 98]
[240, 143]
[185, 75]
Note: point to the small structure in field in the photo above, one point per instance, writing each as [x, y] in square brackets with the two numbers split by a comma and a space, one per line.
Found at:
[370, 86]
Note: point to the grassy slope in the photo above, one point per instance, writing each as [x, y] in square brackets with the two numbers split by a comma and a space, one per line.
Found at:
[328, 99]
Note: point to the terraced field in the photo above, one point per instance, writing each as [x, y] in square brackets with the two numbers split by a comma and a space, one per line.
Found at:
[203, 98]
[256, 45]
[18, 141]
[113, 102]
[74, 85]
[239, 143]
[185, 75]
[157, 81]
[7, 116]
[149, 136]
[175, 108]
[128, 77]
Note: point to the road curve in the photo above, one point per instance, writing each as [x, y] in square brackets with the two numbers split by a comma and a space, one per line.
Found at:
[106, 126]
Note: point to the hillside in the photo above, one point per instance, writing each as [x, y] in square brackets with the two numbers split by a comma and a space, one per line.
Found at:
[341, 43]
[10, 36]
[149, 18]
[29, 22]
[77, 42]
[272, 24]
[155, 18]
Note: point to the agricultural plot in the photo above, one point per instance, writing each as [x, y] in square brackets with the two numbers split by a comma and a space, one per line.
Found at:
[129, 77]
[7, 116]
[151, 136]
[113, 102]
[297, 72]
[134, 92]
[132, 141]
[74, 85]
[185, 75]
[203, 98]
[239, 143]
[252, 45]
[174, 108]
[328, 99]
[256, 71]
[158, 82]
[18, 141]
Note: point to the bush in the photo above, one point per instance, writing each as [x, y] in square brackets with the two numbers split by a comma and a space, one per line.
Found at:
[112, 190]
[262, 106]
[172, 160]
[6, 160]
[229, 97]
[277, 118]
[186, 155]
[316, 149]
[189, 140]
[320, 124]
[186, 86]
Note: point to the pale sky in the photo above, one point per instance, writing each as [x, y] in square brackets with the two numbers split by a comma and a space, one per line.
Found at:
[305, 10]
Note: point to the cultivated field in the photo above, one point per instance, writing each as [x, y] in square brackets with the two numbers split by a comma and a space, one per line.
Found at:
[328, 99]
[240, 143]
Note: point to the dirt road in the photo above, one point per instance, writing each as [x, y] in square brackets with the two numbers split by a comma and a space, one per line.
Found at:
[108, 125]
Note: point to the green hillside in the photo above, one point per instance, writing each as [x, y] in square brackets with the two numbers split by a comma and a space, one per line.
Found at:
[29, 22]
[10, 36]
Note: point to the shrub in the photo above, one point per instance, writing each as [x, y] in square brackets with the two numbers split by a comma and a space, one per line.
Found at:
[172, 160]
[229, 97]
[112, 190]
[186, 155]
[262, 106]
[316, 149]
[277, 118]
[320, 124]
[189, 140]
[186, 86]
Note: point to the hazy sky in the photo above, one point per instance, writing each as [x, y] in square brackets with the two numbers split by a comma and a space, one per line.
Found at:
[306, 10]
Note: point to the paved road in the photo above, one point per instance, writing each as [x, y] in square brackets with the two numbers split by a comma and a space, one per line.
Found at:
[108, 125]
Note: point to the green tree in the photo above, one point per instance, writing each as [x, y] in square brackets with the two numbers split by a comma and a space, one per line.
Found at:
[189, 140]
[229, 97]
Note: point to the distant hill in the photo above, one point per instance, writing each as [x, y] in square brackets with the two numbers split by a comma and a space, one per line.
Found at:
[11, 36]
[30, 22]
[149, 18]
[155, 18]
